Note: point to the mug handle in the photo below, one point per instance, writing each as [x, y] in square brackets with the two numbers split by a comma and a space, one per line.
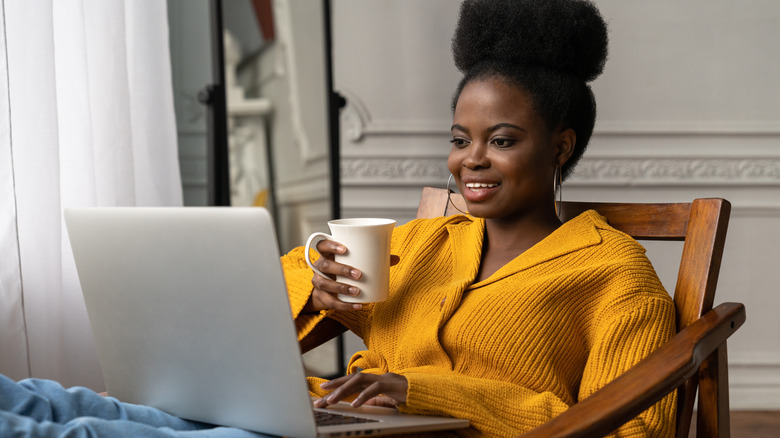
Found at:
[308, 247]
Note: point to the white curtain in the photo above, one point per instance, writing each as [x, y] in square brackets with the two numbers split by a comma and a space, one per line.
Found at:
[86, 118]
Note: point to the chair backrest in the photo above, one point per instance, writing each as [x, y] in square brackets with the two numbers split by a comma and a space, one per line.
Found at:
[702, 226]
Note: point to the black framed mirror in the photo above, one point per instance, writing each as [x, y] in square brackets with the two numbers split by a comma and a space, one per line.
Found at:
[268, 134]
[273, 63]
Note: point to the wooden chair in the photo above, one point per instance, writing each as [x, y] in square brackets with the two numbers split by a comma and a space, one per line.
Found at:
[695, 358]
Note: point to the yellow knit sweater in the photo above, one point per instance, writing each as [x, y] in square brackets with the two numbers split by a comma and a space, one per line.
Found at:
[512, 351]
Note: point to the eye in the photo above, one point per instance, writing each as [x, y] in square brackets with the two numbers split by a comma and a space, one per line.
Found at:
[459, 142]
[503, 142]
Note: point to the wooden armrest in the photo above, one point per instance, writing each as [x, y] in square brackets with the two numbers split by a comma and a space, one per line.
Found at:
[649, 380]
[326, 330]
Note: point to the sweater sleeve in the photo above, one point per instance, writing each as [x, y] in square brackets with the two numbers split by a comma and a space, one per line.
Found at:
[298, 275]
[500, 408]
[495, 408]
[627, 335]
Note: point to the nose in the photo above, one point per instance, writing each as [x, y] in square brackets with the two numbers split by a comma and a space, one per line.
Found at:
[477, 156]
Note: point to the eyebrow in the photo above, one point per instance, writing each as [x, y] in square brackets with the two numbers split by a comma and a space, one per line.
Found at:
[458, 127]
[491, 129]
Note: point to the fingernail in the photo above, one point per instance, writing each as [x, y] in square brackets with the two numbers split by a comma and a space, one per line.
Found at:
[354, 291]
[355, 273]
[341, 249]
[325, 384]
[357, 306]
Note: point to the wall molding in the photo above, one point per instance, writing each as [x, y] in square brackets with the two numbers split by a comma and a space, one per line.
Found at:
[687, 127]
[678, 171]
[619, 171]
[394, 171]
[354, 117]
[360, 125]
[754, 381]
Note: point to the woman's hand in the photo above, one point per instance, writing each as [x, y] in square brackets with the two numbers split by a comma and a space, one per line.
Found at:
[388, 390]
[326, 289]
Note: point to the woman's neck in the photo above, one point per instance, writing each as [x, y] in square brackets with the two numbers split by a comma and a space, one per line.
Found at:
[507, 239]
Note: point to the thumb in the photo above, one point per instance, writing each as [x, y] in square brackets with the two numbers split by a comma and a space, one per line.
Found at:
[383, 401]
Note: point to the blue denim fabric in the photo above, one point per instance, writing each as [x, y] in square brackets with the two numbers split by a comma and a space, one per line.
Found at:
[43, 408]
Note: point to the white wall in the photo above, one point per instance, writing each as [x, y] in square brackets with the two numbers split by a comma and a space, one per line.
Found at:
[688, 107]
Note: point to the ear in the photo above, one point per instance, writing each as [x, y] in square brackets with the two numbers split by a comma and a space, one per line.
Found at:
[564, 147]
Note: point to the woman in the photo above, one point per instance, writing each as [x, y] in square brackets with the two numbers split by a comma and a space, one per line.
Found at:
[506, 317]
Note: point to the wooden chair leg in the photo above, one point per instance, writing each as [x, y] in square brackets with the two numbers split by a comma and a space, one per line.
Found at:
[685, 406]
[712, 419]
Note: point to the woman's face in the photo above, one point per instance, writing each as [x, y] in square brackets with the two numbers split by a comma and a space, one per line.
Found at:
[503, 155]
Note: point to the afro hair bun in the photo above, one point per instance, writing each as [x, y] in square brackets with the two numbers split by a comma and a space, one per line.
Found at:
[568, 36]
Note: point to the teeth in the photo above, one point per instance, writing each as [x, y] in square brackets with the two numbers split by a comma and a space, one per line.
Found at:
[480, 185]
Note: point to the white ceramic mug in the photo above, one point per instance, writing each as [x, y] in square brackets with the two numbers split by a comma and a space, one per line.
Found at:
[368, 249]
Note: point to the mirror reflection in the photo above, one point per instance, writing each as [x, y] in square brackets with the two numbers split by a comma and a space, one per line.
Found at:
[244, 36]
[276, 84]
[277, 107]
[280, 149]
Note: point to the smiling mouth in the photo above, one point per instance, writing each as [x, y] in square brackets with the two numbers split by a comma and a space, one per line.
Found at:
[481, 185]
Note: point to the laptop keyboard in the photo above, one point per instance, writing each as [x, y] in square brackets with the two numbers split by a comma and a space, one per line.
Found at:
[330, 419]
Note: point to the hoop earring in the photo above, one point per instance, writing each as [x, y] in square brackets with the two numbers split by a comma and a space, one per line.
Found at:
[557, 190]
[449, 199]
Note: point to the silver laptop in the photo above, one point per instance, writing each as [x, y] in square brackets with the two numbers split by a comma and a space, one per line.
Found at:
[190, 315]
